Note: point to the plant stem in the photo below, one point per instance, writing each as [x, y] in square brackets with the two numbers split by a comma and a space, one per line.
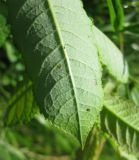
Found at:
[98, 149]
[121, 41]
[35, 155]
[93, 147]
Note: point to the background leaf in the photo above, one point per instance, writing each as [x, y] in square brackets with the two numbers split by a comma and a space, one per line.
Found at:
[116, 14]
[4, 30]
[120, 119]
[112, 13]
[21, 106]
[111, 56]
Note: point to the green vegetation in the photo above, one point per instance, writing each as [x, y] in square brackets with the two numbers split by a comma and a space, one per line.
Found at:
[66, 91]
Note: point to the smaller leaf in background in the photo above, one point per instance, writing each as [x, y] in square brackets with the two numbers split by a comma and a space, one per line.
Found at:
[116, 13]
[112, 151]
[8, 152]
[134, 95]
[127, 156]
[109, 86]
[4, 30]
[120, 14]
[21, 107]
[120, 119]
[111, 56]
[122, 155]
[121, 90]
[11, 52]
[112, 13]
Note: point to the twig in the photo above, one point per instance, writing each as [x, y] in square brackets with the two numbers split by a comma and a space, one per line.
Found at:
[37, 156]
[93, 147]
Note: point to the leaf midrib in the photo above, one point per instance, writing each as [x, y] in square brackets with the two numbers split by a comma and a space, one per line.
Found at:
[50, 5]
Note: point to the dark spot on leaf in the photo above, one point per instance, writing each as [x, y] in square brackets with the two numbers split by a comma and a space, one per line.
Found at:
[88, 109]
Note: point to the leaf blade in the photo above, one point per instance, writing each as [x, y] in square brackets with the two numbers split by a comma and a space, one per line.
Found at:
[112, 13]
[21, 106]
[66, 75]
[120, 120]
[116, 14]
[111, 56]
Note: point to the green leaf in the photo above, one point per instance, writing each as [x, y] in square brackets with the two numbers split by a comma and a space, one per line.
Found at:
[56, 39]
[112, 13]
[9, 152]
[21, 106]
[134, 95]
[126, 156]
[116, 14]
[120, 119]
[4, 30]
[120, 14]
[111, 56]
[11, 52]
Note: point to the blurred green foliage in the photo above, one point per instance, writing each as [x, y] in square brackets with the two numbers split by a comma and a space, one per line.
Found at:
[38, 140]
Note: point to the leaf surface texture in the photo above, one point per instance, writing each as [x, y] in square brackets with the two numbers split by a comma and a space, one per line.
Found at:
[56, 39]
